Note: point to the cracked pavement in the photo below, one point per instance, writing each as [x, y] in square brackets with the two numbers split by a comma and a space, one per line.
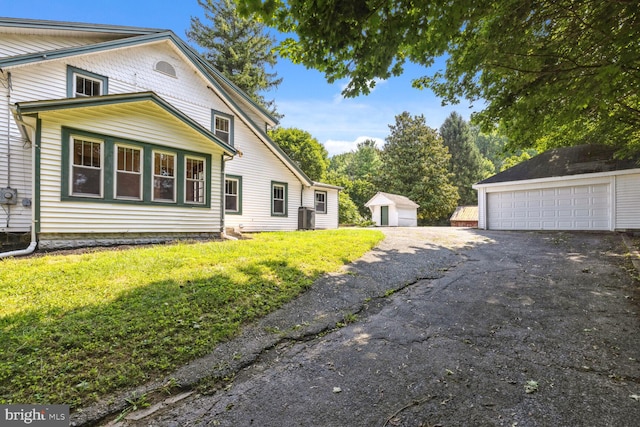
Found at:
[437, 326]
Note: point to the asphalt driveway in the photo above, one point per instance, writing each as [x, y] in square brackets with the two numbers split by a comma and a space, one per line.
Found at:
[436, 327]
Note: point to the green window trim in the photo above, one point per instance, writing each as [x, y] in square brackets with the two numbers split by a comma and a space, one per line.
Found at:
[110, 168]
[225, 116]
[72, 71]
[238, 179]
[285, 199]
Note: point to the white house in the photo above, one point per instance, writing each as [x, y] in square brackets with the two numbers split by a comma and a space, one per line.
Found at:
[115, 134]
[573, 188]
[393, 210]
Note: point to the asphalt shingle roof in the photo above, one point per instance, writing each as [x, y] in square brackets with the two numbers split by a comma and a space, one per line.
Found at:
[580, 159]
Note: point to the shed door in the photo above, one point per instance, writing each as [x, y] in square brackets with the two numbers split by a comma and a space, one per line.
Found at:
[384, 215]
[582, 207]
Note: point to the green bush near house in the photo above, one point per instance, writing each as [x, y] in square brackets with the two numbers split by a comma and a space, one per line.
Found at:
[76, 327]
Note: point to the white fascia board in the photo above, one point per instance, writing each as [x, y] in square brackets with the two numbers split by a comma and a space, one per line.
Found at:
[555, 181]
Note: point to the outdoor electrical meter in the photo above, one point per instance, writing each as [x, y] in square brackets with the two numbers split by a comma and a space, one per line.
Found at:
[8, 196]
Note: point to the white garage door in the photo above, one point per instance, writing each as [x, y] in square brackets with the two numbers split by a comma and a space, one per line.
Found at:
[584, 207]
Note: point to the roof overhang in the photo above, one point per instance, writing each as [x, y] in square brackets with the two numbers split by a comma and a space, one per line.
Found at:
[145, 100]
[327, 186]
[566, 180]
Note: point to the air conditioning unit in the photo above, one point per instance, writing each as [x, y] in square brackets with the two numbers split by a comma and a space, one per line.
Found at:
[8, 196]
[306, 218]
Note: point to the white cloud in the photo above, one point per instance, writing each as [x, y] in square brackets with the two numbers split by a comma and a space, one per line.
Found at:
[338, 147]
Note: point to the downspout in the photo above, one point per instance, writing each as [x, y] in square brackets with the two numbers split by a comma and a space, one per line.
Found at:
[225, 158]
[34, 237]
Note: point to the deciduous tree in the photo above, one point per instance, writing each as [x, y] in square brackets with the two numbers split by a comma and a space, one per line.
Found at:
[552, 72]
[304, 149]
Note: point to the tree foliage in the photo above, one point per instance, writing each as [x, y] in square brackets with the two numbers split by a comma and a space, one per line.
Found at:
[415, 163]
[239, 48]
[552, 72]
[304, 150]
[467, 164]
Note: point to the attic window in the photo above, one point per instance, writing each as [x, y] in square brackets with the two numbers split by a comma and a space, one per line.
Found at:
[165, 68]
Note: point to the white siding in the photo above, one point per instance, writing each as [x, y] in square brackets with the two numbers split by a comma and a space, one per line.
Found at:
[407, 217]
[15, 168]
[86, 216]
[131, 69]
[323, 220]
[258, 167]
[628, 201]
[19, 44]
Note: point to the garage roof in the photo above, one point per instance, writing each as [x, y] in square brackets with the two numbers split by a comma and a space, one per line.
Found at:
[580, 159]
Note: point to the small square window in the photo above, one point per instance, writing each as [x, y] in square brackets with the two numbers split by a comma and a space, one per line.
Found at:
[85, 86]
[81, 83]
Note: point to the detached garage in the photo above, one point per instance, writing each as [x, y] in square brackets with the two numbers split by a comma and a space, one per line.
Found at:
[571, 188]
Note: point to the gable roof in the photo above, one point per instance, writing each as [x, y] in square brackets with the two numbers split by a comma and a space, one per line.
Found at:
[465, 213]
[565, 161]
[124, 37]
[133, 36]
[387, 198]
[32, 107]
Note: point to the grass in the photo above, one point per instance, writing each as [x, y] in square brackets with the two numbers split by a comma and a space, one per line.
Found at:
[77, 327]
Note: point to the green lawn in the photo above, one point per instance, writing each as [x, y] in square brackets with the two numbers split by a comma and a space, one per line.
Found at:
[75, 327]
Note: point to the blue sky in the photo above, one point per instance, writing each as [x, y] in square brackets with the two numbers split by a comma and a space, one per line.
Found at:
[304, 97]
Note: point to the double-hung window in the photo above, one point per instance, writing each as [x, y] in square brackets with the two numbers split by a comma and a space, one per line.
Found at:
[194, 180]
[223, 126]
[233, 194]
[164, 177]
[123, 171]
[278, 199]
[87, 171]
[128, 182]
[321, 201]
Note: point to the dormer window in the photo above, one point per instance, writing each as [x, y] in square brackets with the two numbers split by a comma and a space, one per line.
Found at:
[81, 83]
[223, 126]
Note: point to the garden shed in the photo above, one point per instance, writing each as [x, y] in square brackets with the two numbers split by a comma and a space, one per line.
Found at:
[393, 210]
[584, 187]
[465, 216]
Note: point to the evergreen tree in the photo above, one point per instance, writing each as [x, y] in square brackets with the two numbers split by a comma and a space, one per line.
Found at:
[239, 48]
[415, 164]
[467, 164]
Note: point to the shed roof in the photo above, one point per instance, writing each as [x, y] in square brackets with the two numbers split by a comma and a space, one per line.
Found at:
[396, 199]
[465, 213]
[564, 161]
